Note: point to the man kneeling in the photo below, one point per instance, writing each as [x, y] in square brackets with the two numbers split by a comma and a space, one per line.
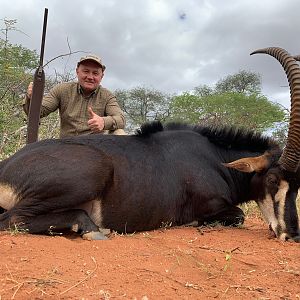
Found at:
[84, 106]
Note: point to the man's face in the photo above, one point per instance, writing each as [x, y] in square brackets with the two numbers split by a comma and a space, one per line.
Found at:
[89, 75]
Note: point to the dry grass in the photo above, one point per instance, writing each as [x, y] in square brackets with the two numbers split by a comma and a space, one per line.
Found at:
[40, 285]
[251, 210]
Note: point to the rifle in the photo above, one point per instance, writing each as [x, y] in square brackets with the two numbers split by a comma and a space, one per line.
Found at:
[37, 92]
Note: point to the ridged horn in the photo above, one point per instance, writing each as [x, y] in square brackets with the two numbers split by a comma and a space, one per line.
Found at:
[290, 157]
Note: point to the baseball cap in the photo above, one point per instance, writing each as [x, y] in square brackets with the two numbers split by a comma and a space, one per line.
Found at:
[94, 58]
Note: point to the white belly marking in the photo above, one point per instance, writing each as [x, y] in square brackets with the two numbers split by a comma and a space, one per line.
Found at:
[8, 196]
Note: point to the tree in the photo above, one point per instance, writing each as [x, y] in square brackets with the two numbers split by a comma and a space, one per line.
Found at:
[16, 62]
[242, 82]
[142, 104]
[250, 111]
[16, 65]
[236, 100]
[203, 90]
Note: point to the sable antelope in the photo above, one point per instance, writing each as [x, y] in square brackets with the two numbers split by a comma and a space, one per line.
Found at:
[164, 174]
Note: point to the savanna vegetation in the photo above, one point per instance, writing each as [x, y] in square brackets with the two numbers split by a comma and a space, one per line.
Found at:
[235, 99]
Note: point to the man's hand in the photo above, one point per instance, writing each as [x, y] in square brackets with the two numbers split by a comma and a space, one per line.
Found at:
[96, 123]
[29, 90]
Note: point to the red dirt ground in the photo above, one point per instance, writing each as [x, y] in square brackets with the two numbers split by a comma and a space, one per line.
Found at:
[178, 263]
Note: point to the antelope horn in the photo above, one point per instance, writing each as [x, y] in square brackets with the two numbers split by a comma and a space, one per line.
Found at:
[290, 157]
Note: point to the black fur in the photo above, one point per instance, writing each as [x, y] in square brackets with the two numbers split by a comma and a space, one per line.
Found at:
[171, 174]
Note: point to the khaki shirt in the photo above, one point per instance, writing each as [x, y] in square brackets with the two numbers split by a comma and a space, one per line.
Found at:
[73, 108]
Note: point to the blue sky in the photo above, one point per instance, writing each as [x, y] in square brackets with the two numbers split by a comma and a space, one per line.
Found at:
[169, 45]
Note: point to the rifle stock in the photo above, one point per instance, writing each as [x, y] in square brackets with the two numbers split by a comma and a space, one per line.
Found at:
[37, 92]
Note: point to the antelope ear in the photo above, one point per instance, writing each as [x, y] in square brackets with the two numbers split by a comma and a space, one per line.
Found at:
[249, 164]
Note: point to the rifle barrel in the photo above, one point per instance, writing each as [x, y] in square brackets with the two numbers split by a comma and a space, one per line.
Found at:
[37, 92]
[43, 37]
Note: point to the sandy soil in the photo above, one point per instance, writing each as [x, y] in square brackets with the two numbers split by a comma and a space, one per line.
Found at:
[178, 263]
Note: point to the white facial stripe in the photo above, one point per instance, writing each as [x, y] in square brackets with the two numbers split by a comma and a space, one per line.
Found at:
[267, 208]
[8, 197]
[280, 199]
[283, 237]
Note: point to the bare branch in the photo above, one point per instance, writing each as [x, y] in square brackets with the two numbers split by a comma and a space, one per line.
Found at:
[62, 55]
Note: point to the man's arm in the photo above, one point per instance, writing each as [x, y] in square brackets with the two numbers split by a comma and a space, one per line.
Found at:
[114, 117]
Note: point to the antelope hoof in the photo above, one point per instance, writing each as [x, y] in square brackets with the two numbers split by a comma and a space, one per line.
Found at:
[94, 235]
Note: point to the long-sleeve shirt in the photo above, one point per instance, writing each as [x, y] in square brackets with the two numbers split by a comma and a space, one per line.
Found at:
[73, 108]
